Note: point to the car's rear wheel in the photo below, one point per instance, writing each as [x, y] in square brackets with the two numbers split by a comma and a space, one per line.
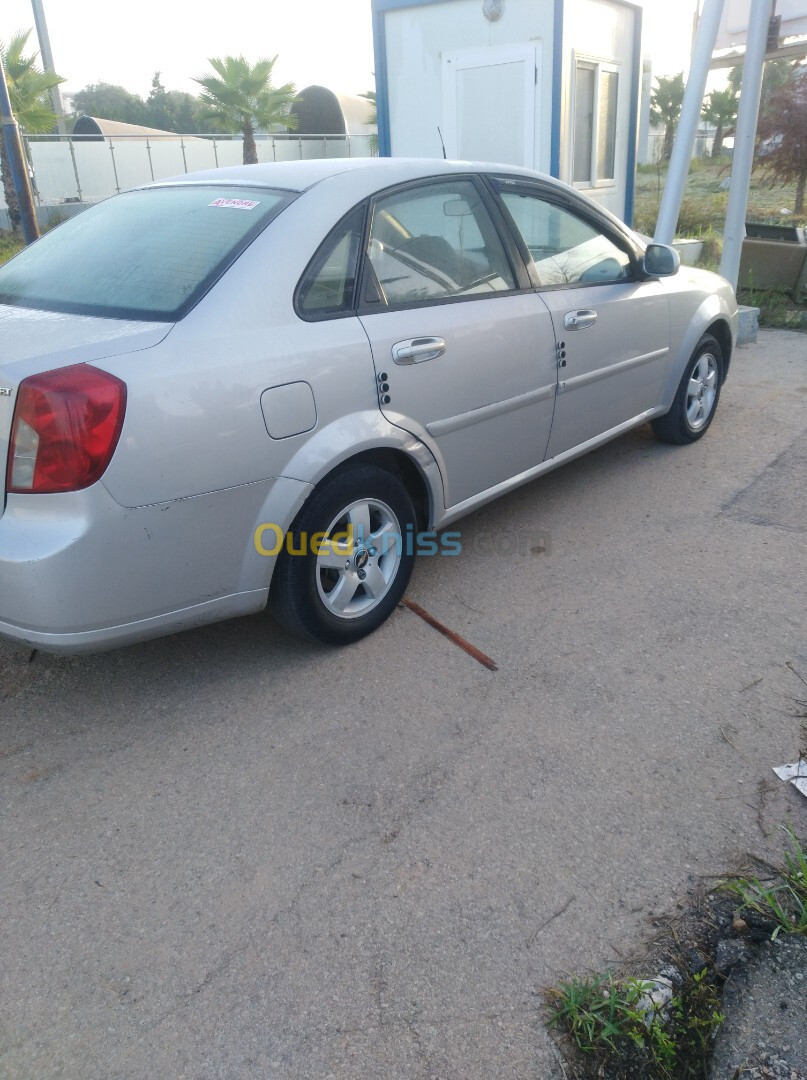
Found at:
[355, 542]
[697, 396]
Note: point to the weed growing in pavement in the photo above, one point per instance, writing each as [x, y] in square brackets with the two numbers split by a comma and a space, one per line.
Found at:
[619, 1031]
[780, 900]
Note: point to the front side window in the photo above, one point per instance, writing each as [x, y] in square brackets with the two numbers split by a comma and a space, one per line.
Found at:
[148, 254]
[596, 92]
[436, 241]
[564, 248]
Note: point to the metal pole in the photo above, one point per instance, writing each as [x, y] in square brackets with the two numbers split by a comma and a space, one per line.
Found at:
[687, 130]
[47, 62]
[75, 169]
[17, 163]
[114, 165]
[742, 161]
[29, 168]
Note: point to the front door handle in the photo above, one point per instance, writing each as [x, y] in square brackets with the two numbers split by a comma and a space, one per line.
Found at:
[580, 320]
[416, 350]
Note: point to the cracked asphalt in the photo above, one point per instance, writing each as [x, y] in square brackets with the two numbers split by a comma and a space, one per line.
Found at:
[230, 854]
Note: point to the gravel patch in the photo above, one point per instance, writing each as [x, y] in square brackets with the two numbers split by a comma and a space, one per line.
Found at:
[765, 1001]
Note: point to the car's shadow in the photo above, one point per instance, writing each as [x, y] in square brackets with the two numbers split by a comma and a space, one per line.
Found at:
[245, 645]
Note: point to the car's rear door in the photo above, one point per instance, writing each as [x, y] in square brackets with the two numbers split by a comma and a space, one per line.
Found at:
[612, 328]
[465, 358]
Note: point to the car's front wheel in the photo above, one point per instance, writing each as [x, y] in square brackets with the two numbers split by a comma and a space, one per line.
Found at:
[697, 396]
[347, 559]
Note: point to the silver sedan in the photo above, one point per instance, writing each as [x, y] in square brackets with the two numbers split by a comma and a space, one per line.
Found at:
[277, 384]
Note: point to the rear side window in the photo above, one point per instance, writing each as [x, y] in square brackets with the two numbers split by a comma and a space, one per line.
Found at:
[148, 254]
[329, 282]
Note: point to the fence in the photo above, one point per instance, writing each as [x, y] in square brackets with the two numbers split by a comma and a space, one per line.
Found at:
[68, 170]
[652, 152]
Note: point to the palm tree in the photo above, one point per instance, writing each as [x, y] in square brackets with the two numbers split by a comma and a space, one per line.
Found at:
[29, 90]
[720, 109]
[243, 98]
[372, 119]
[665, 107]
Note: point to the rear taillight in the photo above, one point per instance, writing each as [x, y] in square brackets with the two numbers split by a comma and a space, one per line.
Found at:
[65, 430]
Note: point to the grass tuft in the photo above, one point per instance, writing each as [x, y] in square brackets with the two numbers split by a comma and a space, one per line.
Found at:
[704, 204]
[619, 1031]
[780, 900]
[777, 309]
[9, 245]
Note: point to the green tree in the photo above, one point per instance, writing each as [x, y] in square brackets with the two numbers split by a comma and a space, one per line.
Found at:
[720, 109]
[29, 89]
[110, 102]
[242, 97]
[174, 110]
[775, 74]
[157, 110]
[372, 118]
[665, 108]
[782, 133]
[187, 114]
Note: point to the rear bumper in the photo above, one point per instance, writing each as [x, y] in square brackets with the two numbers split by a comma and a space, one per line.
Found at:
[79, 572]
[111, 637]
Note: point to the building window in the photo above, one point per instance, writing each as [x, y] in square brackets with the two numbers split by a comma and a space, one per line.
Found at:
[596, 93]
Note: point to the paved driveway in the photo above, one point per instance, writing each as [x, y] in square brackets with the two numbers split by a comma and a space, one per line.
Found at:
[228, 854]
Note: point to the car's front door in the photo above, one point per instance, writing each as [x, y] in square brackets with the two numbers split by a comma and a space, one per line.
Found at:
[465, 358]
[612, 329]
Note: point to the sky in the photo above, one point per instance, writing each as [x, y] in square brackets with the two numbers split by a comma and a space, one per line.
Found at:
[317, 41]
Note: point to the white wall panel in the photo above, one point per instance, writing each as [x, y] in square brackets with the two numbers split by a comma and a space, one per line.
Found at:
[418, 37]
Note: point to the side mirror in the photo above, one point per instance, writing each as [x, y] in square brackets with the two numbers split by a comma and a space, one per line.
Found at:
[661, 260]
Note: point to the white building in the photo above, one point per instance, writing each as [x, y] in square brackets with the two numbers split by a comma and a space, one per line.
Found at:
[552, 85]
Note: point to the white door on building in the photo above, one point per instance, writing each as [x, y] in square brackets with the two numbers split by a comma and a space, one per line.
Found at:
[489, 104]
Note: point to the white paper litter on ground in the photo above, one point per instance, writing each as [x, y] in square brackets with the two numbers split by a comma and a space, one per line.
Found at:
[795, 774]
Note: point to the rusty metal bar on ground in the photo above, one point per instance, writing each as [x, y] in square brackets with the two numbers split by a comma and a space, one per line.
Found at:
[452, 636]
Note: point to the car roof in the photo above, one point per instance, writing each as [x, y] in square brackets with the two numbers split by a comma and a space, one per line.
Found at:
[373, 174]
[302, 175]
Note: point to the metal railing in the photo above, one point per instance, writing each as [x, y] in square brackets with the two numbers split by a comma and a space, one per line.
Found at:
[76, 169]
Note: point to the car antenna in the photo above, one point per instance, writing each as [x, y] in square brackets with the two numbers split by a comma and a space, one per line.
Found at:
[441, 142]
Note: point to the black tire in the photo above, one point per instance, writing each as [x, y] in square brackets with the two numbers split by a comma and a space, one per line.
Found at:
[677, 426]
[304, 597]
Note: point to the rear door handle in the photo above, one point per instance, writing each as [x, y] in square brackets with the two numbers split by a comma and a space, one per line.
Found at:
[580, 320]
[416, 350]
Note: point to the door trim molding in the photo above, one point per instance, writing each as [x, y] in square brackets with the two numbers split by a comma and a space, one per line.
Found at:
[589, 377]
[488, 412]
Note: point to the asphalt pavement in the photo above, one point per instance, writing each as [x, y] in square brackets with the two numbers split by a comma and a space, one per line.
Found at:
[230, 854]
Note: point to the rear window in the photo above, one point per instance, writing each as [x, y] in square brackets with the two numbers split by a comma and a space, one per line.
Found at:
[148, 254]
